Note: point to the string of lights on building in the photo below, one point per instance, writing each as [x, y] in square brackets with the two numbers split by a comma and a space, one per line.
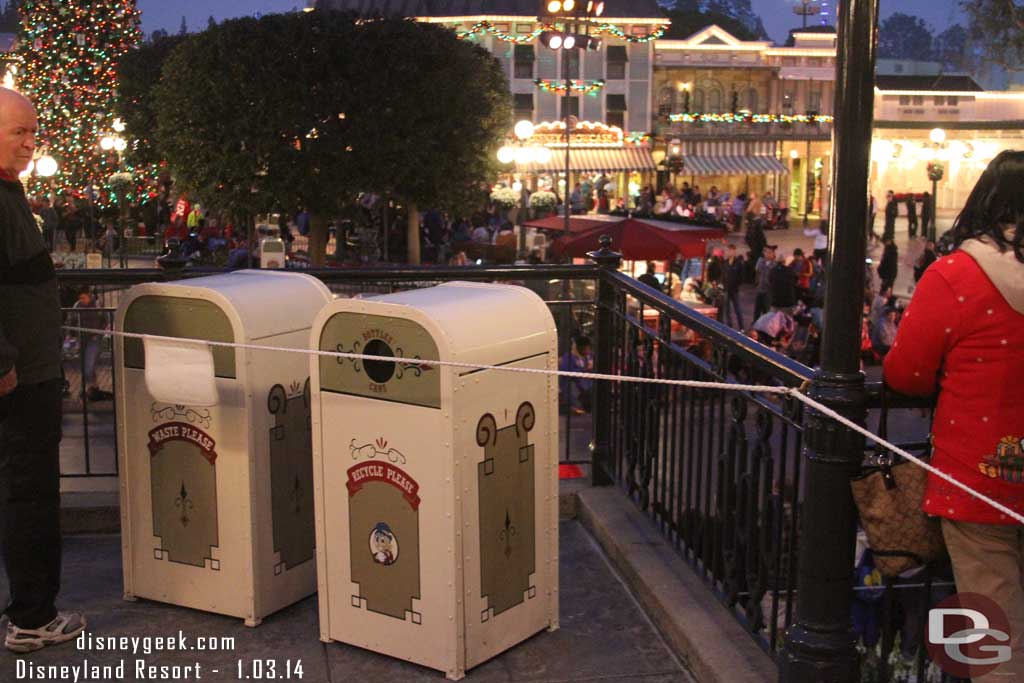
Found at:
[582, 87]
[526, 38]
[746, 117]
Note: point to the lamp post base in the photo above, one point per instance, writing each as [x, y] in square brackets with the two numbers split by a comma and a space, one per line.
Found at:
[819, 657]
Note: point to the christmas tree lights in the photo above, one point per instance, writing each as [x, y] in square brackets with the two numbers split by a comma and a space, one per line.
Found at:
[69, 50]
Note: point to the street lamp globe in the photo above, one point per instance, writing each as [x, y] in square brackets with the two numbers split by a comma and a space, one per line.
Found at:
[506, 155]
[120, 144]
[523, 155]
[107, 143]
[543, 155]
[46, 166]
[517, 186]
[524, 129]
[118, 126]
[937, 136]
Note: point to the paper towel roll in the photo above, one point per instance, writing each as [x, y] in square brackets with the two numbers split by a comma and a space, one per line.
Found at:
[180, 373]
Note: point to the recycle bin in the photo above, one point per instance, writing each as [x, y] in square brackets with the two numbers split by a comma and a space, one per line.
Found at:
[272, 253]
[436, 487]
[217, 499]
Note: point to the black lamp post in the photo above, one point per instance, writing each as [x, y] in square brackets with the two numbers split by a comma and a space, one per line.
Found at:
[935, 173]
[821, 644]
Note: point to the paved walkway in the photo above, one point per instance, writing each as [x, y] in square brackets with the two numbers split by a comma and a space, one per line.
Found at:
[909, 248]
[604, 636]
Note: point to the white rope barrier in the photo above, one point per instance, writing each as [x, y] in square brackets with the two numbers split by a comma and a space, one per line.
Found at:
[792, 392]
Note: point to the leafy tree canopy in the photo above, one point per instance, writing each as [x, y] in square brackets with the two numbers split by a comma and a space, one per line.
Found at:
[309, 109]
[950, 48]
[902, 36]
[687, 19]
[248, 112]
[137, 72]
[430, 112]
[998, 26]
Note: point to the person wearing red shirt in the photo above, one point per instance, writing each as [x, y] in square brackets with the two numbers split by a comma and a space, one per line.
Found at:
[963, 335]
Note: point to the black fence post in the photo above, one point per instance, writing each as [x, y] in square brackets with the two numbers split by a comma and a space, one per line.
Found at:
[601, 466]
[820, 647]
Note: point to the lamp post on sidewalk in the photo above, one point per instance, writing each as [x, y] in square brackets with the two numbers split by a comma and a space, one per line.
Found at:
[523, 154]
[935, 173]
[821, 643]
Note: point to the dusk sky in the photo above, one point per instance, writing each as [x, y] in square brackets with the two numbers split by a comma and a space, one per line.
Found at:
[777, 15]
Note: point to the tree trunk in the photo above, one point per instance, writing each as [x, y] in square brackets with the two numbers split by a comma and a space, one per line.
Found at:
[413, 234]
[318, 240]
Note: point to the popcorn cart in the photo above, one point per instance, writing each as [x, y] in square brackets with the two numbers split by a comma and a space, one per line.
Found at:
[214, 443]
[436, 486]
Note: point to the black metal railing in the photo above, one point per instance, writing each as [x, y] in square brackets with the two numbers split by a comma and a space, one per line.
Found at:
[720, 473]
[717, 471]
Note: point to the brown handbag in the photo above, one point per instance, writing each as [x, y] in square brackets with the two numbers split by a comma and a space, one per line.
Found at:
[889, 496]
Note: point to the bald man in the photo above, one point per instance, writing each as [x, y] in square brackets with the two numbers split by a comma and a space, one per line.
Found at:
[30, 401]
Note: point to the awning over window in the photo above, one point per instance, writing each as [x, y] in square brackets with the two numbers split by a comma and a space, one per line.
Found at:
[594, 160]
[697, 164]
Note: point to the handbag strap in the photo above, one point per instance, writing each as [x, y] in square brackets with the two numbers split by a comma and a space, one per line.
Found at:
[883, 415]
[883, 455]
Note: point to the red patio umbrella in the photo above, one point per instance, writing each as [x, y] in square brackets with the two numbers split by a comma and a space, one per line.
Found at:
[639, 240]
[577, 224]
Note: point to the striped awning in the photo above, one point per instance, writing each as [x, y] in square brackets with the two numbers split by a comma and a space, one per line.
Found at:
[698, 164]
[594, 160]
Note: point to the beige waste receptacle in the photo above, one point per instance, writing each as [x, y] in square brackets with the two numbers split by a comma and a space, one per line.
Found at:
[217, 499]
[437, 487]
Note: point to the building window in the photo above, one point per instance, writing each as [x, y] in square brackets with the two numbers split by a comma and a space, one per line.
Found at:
[616, 60]
[715, 101]
[615, 114]
[952, 101]
[666, 101]
[570, 106]
[573, 69]
[904, 100]
[522, 107]
[524, 58]
[698, 100]
[918, 100]
[788, 100]
[752, 100]
[814, 101]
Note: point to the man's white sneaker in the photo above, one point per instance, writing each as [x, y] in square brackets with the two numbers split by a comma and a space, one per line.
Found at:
[66, 626]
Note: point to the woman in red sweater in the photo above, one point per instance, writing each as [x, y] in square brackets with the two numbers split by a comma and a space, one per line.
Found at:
[963, 334]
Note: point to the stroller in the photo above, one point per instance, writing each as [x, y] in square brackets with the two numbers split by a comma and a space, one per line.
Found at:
[778, 218]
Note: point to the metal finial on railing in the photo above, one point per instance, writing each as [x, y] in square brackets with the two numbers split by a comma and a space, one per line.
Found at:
[605, 256]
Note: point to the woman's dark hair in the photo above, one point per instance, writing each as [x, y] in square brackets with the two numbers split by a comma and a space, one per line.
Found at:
[995, 204]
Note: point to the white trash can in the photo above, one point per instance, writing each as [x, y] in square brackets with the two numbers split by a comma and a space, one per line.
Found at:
[217, 499]
[272, 253]
[437, 487]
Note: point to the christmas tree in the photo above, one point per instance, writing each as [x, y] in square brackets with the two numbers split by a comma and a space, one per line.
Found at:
[69, 51]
